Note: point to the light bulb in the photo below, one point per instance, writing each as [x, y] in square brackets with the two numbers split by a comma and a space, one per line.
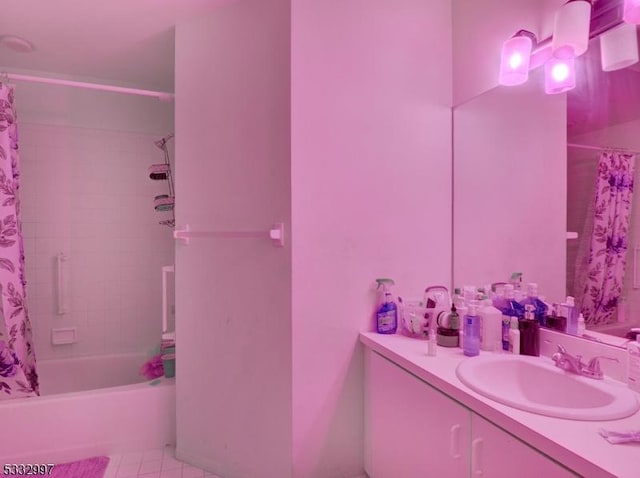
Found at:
[560, 75]
[560, 72]
[514, 64]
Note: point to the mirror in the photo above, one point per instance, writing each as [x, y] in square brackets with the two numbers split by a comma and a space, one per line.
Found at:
[603, 114]
[519, 189]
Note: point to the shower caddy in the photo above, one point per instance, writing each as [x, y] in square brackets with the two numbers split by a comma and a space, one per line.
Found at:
[162, 172]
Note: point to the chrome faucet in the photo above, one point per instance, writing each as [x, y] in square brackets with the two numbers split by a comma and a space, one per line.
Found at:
[574, 364]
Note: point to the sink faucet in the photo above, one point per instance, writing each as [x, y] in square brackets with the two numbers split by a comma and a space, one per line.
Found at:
[574, 364]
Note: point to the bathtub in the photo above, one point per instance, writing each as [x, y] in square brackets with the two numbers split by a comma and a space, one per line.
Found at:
[88, 406]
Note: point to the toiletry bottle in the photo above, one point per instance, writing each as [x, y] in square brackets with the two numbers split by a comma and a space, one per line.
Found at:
[491, 326]
[432, 343]
[516, 280]
[510, 308]
[530, 333]
[570, 313]
[581, 325]
[469, 293]
[514, 336]
[633, 364]
[532, 298]
[471, 343]
[387, 314]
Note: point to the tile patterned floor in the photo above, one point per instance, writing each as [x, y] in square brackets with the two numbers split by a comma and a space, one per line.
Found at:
[156, 463]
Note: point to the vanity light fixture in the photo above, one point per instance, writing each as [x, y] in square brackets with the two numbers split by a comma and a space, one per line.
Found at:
[516, 55]
[619, 47]
[571, 29]
[631, 11]
[559, 75]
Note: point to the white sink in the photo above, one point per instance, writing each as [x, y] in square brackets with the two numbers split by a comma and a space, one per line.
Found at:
[534, 384]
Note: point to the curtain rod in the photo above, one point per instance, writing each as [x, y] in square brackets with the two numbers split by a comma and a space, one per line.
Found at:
[161, 95]
[600, 148]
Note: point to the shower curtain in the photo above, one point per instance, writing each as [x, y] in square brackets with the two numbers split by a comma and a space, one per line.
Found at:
[18, 377]
[600, 283]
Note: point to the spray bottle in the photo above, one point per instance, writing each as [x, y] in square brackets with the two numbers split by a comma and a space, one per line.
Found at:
[387, 313]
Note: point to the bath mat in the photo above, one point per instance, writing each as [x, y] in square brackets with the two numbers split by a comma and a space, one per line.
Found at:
[89, 468]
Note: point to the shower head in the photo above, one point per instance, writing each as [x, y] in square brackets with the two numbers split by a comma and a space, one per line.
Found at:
[162, 143]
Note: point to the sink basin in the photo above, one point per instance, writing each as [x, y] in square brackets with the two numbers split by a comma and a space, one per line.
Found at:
[534, 384]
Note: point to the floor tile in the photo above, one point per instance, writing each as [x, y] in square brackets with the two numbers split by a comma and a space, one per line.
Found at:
[150, 467]
[153, 455]
[175, 473]
[128, 458]
[169, 463]
[189, 471]
[128, 470]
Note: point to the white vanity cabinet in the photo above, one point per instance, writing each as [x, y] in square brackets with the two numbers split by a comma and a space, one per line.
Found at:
[412, 430]
[497, 454]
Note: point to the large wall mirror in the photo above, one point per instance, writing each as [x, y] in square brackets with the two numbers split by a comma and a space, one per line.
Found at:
[525, 179]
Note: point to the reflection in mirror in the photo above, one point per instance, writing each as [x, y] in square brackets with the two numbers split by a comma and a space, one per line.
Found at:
[603, 125]
[520, 157]
[509, 188]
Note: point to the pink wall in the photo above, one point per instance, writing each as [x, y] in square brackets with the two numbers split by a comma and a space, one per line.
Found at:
[371, 195]
[480, 29]
[85, 192]
[233, 297]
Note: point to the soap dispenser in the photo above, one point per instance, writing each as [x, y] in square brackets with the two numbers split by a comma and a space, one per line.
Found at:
[529, 332]
[471, 343]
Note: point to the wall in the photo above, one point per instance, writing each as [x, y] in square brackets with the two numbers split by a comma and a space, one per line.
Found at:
[371, 172]
[85, 192]
[480, 29]
[510, 188]
[233, 297]
[582, 169]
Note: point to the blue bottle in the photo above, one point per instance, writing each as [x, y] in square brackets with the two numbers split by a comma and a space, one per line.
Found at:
[509, 307]
[539, 307]
[387, 313]
[471, 343]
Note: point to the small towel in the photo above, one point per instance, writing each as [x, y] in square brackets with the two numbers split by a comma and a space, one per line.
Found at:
[620, 437]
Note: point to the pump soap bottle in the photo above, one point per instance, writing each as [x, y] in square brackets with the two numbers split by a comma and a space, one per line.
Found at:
[471, 343]
[530, 332]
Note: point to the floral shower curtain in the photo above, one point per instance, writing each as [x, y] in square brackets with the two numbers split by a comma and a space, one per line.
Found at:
[18, 377]
[601, 283]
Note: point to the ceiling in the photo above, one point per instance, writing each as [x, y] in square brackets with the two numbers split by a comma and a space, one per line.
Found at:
[602, 99]
[124, 42]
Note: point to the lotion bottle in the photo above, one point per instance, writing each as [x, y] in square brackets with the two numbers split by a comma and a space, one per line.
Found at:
[633, 364]
[471, 341]
[514, 336]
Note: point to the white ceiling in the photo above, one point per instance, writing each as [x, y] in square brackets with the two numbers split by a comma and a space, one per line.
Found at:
[126, 42]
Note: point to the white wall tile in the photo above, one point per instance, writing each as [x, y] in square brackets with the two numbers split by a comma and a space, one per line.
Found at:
[86, 192]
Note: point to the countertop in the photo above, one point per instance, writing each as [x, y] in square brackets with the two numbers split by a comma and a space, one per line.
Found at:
[575, 444]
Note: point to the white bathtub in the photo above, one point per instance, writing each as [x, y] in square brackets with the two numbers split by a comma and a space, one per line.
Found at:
[72, 419]
[89, 373]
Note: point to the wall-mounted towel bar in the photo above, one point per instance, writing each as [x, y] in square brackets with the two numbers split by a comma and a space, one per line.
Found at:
[61, 272]
[275, 234]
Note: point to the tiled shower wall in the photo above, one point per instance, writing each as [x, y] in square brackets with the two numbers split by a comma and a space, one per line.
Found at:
[85, 192]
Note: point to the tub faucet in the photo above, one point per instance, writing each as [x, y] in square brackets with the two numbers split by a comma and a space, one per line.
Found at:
[574, 364]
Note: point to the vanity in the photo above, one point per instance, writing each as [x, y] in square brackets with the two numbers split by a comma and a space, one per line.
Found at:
[422, 421]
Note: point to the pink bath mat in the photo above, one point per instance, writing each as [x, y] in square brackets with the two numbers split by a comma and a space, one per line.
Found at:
[88, 468]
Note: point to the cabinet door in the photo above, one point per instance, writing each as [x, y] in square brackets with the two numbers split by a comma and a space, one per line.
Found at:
[497, 454]
[411, 429]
